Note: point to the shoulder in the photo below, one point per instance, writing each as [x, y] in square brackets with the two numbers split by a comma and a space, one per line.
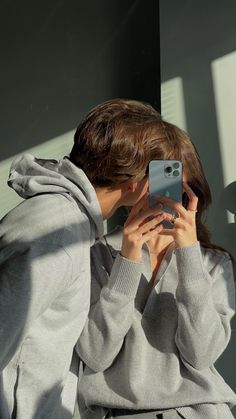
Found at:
[215, 259]
[220, 268]
[45, 217]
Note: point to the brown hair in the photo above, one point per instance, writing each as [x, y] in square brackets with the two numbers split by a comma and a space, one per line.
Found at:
[117, 140]
[110, 144]
[174, 144]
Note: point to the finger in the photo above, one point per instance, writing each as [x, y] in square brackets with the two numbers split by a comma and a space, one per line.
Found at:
[167, 232]
[141, 204]
[140, 218]
[150, 212]
[151, 224]
[152, 233]
[170, 217]
[136, 209]
[193, 199]
[177, 206]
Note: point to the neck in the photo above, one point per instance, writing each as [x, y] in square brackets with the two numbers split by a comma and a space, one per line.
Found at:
[159, 245]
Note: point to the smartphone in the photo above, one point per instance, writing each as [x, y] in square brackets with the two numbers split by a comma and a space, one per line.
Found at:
[165, 178]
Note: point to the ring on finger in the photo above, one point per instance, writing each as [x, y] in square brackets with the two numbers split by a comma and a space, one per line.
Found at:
[174, 218]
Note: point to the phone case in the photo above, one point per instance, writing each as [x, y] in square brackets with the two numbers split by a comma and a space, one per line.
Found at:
[165, 178]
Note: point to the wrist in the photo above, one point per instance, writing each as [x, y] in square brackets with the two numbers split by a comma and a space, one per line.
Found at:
[183, 244]
[132, 254]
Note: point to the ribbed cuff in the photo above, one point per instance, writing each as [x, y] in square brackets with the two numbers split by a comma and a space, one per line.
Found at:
[190, 264]
[125, 276]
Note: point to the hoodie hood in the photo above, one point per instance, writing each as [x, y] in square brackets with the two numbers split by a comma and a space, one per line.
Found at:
[30, 176]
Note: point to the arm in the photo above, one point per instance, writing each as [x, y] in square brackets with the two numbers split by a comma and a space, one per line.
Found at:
[205, 307]
[205, 302]
[112, 305]
[31, 276]
[111, 312]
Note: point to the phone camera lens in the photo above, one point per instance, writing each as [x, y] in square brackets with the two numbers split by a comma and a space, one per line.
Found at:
[168, 169]
[175, 173]
[176, 165]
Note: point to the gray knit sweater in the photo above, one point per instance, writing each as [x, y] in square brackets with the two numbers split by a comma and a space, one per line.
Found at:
[155, 348]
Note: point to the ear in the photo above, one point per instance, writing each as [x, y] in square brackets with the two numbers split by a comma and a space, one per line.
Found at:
[133, 186]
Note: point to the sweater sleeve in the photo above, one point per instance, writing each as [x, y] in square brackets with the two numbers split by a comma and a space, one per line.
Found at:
[111, 314]
[206, 304]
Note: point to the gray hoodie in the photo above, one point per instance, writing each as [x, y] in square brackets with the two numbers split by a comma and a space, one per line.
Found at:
[44, 286]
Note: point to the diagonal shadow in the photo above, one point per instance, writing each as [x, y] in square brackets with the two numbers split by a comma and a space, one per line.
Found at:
[43, 263]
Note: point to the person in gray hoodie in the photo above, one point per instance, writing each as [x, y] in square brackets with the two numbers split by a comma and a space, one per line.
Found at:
[162, 300]
[45, 253]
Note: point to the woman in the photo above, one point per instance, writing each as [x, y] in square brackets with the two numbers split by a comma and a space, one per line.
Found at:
[161, 305]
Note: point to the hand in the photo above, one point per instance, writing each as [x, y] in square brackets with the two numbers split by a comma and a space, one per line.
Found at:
[184, 227]
[139, 228]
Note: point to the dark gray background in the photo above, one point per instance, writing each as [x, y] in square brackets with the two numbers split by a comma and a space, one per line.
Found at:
[59, 58]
